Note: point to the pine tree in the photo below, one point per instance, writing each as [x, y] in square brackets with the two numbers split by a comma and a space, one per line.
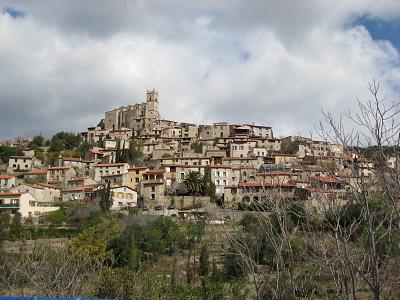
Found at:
[105, 201]
[204, 257]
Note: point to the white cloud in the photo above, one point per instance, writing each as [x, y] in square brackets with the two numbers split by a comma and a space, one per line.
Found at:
[64, 63]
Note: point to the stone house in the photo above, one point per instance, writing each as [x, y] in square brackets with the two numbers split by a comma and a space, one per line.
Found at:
[152, 187]
[20, 163]
[60, 174]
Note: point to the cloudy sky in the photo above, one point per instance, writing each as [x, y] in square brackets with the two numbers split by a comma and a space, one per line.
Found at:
[277, 63]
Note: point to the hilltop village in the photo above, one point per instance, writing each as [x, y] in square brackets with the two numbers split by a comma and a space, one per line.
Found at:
[165, 167]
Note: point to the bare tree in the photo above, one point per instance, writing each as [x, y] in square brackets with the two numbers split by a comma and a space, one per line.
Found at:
[45, 271]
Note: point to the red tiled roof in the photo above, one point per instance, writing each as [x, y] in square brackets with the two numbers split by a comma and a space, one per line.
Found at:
[220, 167]
[326, 179]
[10, 194]
[78, 179]
[159, 181]
[277, 173]
[5, 176]
[36, 172]
[96, 151]
[265, 184]
[112, 175]
[160, 171]
[138, 168]
[21, 157]
[72, 158]
[79, 189]
[111, 165]
[48, 185]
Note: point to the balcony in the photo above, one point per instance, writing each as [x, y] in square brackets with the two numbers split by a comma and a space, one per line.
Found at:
[9, 205]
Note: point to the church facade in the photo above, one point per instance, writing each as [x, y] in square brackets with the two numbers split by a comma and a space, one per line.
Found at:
[137, 117]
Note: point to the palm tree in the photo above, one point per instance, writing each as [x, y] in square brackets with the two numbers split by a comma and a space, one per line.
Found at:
[194, 183]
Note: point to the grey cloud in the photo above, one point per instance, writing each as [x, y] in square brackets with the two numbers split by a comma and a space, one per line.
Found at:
[268, 62]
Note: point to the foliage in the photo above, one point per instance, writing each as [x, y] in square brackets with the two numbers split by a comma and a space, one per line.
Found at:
[7, 151]
[57, 217]
[158, 237]
[64, 141]
[297, 213]
[133, 155]
[4, 224]
[193, 182]
[288, 147]
[105, 200]
[197, 147]
[37, 142]
[90, 243]
[204, 260]
[15, 227]
[208, 187]
[40, 154]
[387, 242]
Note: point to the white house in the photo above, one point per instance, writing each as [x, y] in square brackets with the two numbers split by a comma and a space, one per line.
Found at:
[6, 182]
[110, 169]
[25, 204]
[122, 197]
[20, 163]
[41, 192]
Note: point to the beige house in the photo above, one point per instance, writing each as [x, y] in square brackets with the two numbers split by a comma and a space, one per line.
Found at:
[237, 149]
[134, 177]
[36, 175]
[82, 193]
[176, 173]
[80, 181]
[284, 158]
[277, 177]
[94, 134]
[247, 192]
[221, 176]
[189, 130]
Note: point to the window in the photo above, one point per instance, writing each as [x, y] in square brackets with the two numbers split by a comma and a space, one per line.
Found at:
[224, 174]
[137, 180]
[153, 188]
[152, 196]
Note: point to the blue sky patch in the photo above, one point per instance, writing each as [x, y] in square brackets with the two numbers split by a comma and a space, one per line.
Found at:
[382, 29]
[15, 13]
